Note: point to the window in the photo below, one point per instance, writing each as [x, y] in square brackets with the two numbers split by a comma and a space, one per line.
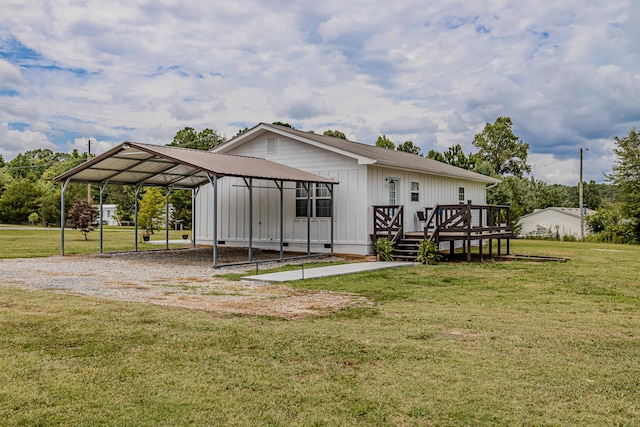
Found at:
[323, 201]
[393, 191]
[301, 199]
[415, 192]
[461, 194]
[320, 200]
[272, 147]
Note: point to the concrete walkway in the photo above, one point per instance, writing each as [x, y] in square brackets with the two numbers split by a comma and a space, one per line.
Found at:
[332, 270]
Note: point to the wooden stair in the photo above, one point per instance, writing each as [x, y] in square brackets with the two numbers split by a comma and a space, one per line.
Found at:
[406, 248]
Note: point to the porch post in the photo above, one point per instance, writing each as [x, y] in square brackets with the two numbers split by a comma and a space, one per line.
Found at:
[62, 214]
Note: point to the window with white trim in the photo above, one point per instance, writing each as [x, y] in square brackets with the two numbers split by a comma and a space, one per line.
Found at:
[393, 191]
[415, 191]
[461, 194]
[320, 200]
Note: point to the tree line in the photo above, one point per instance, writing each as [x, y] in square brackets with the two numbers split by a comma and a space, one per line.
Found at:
[29, 195]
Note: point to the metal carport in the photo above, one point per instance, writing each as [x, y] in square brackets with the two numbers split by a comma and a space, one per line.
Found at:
[137, 164]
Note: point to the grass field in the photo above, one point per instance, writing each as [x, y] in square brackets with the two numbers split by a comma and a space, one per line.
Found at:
[28, 242]
[514, 343]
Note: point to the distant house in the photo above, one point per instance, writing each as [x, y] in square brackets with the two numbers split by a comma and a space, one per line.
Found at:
[554, 221]
[108, 214]
[367, 176]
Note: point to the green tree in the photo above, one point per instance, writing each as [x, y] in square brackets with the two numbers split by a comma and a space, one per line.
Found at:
[188, 137]
[152, 209]
[592, 197]
[455, 156]
[436, 155]
[181, 202]
[409, 147]
[517, 192]
[287, 125]
[19, 200]
[32, 164]
[335, 134]
[34, 218]
[82, 216]
[241, 131]
[502, 149]
[625, 174]
[385, 142]
[2, 163]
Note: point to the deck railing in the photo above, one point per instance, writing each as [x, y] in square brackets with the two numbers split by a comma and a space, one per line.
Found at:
[388, 221]
[470, 221]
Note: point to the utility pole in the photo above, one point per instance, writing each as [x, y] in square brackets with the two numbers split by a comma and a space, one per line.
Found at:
[89, 185]
[581, 202]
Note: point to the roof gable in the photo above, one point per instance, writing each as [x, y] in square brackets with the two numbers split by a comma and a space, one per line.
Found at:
[363, 153]
[570, 212]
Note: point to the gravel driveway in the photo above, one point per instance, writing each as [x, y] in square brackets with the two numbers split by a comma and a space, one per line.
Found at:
[181, 278]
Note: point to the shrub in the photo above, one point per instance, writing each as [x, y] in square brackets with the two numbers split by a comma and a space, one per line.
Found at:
[428, 253]
[384, 249]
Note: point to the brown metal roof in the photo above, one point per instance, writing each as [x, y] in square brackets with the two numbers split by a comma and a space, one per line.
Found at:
[366, 154]
[154, 165]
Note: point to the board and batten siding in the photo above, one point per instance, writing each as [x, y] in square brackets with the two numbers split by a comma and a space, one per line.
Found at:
[433, 190]
[350, 201]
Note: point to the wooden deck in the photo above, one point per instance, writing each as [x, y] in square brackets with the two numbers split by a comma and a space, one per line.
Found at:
[462, 223]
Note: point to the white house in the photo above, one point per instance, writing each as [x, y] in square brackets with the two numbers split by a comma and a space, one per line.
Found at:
[108, 214]
[554, 221]
[367, 176]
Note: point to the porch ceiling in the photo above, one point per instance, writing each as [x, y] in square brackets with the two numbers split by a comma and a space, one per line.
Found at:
[132, 163]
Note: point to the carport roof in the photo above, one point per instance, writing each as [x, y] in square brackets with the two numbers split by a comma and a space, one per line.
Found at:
[133, 163]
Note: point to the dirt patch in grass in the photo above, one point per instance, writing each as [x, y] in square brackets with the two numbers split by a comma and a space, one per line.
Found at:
[182, 279]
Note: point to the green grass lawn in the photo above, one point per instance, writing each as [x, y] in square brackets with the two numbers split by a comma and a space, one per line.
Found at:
[513, 343]
[28, 242]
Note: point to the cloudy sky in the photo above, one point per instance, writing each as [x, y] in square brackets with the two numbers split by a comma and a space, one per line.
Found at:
[566, 72]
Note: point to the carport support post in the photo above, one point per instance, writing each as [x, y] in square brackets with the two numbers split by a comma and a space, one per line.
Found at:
[249, 185]
[166, 218]
[214, 183]
[103, 185]
[135, 218]
[62, 214]
[194, 195]
[281, 188]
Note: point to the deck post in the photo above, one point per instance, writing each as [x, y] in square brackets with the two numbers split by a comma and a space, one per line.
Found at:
[308, 218]
[330, 186]
[469, 230]
[281, 188]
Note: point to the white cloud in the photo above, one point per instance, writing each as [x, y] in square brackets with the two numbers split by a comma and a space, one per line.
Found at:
[14, 142]
[567, 73]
